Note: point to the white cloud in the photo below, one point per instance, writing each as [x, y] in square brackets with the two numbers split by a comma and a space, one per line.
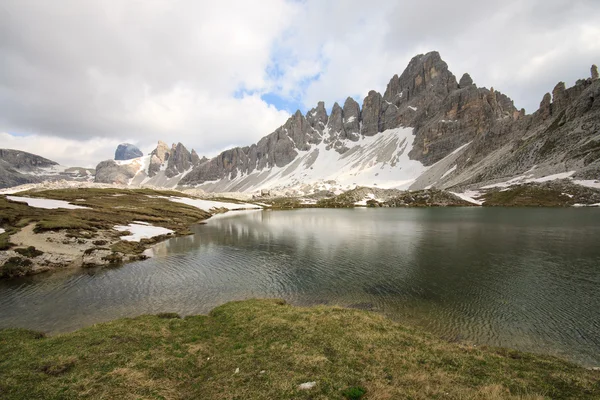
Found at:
[96, 73]
[69, 152]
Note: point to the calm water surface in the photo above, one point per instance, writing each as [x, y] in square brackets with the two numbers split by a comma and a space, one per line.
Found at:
[521, 278]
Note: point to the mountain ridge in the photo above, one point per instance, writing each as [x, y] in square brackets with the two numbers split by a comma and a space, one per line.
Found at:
[427, 130]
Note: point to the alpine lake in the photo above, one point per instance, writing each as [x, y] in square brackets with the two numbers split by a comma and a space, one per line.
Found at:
[524, 278]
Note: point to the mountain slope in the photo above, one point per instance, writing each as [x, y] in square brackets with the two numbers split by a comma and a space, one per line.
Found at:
[19, 167]
[426, 130]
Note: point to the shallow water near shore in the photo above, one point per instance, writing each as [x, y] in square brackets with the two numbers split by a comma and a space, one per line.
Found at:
[521, 278]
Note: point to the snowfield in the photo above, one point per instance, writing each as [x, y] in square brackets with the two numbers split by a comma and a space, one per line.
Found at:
[2, 231]
[208, 205]
[141, 231]
[45, 203]
[381, 160]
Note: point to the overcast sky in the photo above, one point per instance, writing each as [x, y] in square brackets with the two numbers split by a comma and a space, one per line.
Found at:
[77, 77]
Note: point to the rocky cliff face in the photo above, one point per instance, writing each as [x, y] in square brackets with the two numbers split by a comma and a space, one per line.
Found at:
[19, 168]
[127, 151]
[461, 134]
[164, 166]
[426, 96]
[16, 167]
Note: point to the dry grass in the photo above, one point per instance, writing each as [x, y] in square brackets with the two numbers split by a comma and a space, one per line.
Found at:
[106, 208]
[276, 347]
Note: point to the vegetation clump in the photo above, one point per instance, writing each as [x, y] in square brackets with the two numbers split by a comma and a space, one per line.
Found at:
[15, 267]
[265, 349]
[29, 252]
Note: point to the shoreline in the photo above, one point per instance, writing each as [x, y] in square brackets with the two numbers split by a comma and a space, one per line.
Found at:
[269, 349]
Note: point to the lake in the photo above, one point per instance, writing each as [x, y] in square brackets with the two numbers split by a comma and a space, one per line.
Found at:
[521, 278]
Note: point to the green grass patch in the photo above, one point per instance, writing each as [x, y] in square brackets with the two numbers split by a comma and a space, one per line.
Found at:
[264, 349]
[29, 252]
[106, 209]
[15, 267]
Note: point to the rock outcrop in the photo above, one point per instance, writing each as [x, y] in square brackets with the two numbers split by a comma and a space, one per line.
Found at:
[127, 151]
[444, 113]
[110, 172]
[19, 167]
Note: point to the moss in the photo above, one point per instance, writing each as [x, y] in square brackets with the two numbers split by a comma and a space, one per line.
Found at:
[15, 267]
[29, 252]
[274, 348]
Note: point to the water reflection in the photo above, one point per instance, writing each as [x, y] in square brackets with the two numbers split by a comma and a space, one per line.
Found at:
[511, 277]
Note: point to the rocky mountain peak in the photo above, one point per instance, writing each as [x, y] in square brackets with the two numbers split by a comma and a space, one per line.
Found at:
[317, 117]
[127, 151]
[465, 81]
[161, 151]
[180, 160]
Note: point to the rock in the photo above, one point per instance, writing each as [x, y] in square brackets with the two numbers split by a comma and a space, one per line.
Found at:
[465, 81]
[19, 167]
[127, 151]
[110, 172]
[317, 117]
[371, 114]
[351, 114]
[559, 98]
[180, 160]
[594, 71]
[545, 110]
[307, 385]
[161, 151]
[155, 164]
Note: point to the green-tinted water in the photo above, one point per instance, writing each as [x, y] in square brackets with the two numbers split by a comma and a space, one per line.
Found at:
[523, 278]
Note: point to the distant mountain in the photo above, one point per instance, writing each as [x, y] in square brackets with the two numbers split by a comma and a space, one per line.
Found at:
[163, 167]
[19, 168]
[427, 130]
[127, 151]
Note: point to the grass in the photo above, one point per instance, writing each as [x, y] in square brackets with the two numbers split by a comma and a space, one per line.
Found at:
[106, 208]
[29, 252]
[560, 193]
[15, 267]
[264, 349]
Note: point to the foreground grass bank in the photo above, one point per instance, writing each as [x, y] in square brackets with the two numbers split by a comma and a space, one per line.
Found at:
[264, 349]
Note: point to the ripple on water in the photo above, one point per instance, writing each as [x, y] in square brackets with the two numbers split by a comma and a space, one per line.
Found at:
[526, 279]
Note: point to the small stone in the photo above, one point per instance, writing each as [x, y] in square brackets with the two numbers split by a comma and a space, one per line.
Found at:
[263, 371]
[307, 385]
[237, 371]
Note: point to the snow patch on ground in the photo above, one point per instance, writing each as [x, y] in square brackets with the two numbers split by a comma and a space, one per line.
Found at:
[451, 170]
[370, 196]
[45, 203]
[208, 205]
[589, 183]
[413, 108]
[469, 196]
[528, 179]
[141, 231]
[2, 231]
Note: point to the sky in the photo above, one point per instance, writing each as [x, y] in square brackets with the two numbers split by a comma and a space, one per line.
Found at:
[78, 77]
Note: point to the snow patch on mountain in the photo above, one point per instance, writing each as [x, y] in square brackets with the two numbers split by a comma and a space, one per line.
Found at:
[381, 160]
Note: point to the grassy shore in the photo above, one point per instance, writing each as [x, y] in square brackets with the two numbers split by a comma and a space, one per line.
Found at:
[91, 229]
[265, 349]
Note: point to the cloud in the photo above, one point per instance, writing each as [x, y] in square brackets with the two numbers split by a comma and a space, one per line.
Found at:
[218, 74]
[142, 70]
[522, 48]
[69, 152]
